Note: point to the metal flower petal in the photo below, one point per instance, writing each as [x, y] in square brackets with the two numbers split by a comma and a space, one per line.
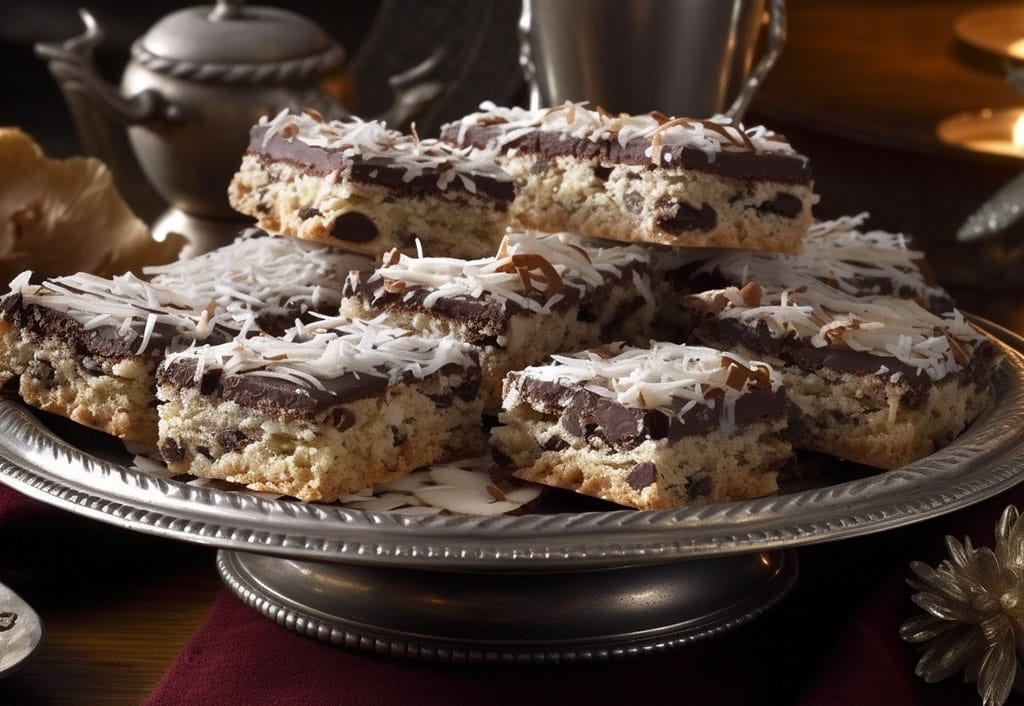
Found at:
[974, 612]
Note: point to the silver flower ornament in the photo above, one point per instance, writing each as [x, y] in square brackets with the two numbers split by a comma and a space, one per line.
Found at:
[974, 613]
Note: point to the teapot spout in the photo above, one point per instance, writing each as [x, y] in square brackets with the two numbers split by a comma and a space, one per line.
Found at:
[100, 114]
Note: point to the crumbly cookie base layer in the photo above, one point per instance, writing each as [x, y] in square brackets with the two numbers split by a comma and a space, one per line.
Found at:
[315, 459]
[696, 470]
[634, 204]
[114, 395]
[530, 337]
[862, 418]
[364, 218]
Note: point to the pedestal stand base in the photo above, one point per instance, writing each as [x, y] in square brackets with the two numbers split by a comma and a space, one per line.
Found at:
[529, 616]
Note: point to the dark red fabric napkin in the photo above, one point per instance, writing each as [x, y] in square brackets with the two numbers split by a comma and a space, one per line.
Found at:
[833, 640]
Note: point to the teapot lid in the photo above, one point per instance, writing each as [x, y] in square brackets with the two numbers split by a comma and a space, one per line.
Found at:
[232, 42]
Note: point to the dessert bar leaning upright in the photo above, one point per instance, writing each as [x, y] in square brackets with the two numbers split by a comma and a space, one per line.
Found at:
[657, 428]
[366, 188]
[646, 178]
[319, 415]
[540, 294]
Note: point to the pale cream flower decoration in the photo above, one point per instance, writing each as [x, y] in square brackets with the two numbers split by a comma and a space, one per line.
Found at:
[974, 604]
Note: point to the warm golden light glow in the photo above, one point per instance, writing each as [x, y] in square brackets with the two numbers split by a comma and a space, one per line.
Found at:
[1018, 134]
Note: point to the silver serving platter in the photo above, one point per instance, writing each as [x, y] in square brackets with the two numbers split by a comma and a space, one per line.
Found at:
[541, 586]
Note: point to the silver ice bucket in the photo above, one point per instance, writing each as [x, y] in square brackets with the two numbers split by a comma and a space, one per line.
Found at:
[692, 58]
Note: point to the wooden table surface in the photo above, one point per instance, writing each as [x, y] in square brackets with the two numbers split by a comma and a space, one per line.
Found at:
[114, 623]
[855, 76]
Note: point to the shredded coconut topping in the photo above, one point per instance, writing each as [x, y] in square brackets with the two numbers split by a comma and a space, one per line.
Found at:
[576, 120]
[839, 253]
[328, 349]
[357, 139]
[668, 377]
[224, 290]
[816, 313]
[133, 306]
[530, 270]
[260, 275]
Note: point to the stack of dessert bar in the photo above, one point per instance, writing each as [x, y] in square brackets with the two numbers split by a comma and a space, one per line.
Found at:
[639, 308]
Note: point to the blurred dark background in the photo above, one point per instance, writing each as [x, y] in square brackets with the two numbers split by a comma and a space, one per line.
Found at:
[859, 88]
[481, 61]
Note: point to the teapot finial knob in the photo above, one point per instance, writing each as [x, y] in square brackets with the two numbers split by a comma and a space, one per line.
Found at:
[227, 10]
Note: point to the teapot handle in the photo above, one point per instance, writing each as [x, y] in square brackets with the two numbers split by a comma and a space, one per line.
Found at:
[71, 63]
[99, 113]
[413, 91]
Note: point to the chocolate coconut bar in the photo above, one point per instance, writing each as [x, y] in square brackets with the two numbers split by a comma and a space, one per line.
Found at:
[363, 187]
[87, 347]
[327, 411]
[877, 379]
[540, 294]
[837, 252]
[651, 428]
[646, 178]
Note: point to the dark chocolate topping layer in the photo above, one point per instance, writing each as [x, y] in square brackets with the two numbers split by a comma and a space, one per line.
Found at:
[548, 144]
[275, 396]
[374, 170]
[485, 318]
[104, 341]
[586, 414]
[792, 350]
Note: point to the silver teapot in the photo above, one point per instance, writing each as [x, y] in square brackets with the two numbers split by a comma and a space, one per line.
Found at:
[174, 132]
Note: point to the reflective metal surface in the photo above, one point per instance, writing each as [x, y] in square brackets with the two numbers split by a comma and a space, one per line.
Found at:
[20, 631]
[983, 461]
[511, 616]
[690, 58]
[426, 587]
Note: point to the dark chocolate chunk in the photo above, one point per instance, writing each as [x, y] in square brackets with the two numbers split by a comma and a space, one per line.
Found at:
[634, 202]
[398, 437]
[785, 205]
[503, 461]
[699, 485]
[208, 385]
[341, 418]
[354, 227]
[642, 475]
[555, 443]
[7, 620]
[172, 451]
[204, 451]
[602, 173]
[688, 219]
[231, 440]
[41, 371]
[307, 212]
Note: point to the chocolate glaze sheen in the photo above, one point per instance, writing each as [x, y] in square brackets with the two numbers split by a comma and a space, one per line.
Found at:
[275, 396]
[586, 414]
[550, 143]
[373, 170]
[103, 341]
